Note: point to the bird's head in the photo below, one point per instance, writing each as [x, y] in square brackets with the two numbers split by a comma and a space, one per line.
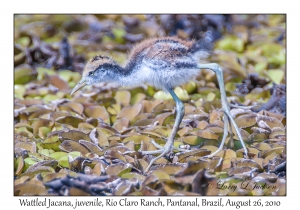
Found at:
[98, 69]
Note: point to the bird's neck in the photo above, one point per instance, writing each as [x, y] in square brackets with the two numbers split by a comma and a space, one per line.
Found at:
[120, 75]
[128, 76]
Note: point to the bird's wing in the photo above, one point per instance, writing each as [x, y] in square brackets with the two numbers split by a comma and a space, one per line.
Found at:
[163, 55]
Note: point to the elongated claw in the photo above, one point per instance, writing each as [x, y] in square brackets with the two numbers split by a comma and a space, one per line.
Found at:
[223, 139]
[169, 144]
[163, 152]
[241, 107]
[225, 105]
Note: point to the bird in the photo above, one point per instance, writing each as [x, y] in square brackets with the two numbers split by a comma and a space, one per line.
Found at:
[164, 63]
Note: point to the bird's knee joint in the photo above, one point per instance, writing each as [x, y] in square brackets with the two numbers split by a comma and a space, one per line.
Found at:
[180, 108]
[216, 67]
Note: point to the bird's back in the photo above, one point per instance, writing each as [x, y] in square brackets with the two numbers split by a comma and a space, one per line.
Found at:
[168, 62]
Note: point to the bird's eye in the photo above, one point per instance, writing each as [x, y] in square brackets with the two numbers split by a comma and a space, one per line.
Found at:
[91, 73]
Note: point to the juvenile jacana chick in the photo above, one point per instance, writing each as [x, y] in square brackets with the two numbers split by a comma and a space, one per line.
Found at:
[163, 63]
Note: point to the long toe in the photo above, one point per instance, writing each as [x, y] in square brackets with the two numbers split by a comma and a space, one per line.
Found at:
[238, 133]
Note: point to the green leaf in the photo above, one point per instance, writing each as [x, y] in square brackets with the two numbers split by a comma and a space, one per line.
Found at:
[43, 71]
[276, 75]
[24, 75]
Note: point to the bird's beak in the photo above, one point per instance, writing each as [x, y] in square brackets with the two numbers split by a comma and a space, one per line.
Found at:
[79, 85]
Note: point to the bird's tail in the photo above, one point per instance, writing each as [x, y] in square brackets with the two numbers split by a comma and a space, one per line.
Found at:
[201, 49]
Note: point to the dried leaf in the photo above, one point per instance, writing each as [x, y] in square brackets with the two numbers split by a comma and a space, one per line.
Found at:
[30, 146]
[118, 169]
[69, 146]
[70, 120]
[270, 121]
[77, 107]
[192, 140]
[130, 112]
[123, 97]
[59, 83]
[90, 146]
[246, 120]
[29, 189]
[98, 112]
[74, 135]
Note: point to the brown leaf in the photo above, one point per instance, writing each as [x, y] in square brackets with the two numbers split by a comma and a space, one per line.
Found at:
[98, 112]
[270, 121]
[214, 115]
[118, 169]
[202, 125]
[21, 180]
[240, 171]
[207, 135]
[200, 182]
[29, 189]
[123, 189]
[183, 131]
[137, 139]
[132, 175]
[161, 175]
[30, 102]
[215, 165]
[115, 154]
[172, 187]
[246, 120]
[266, 177]
[277, 132]
[192, 140]
[192, 167]
[251, 152]
[247, 163]
[121, 124]
[74, 135]
[276, 150]
[263, 146]
[70, 120]
[130, 112]
[90, 146]
[53, 176]
[73, 191]
[56, 81]
[77, 107]
[69, 146]
[36, 170]
[123, 97]
[147, 191]
[50, 163]
[30, 146]
[102, 138]
[170, 169]
[137, 98]
[41, 123]
[143, 122]
[20, 165]
[214, 129]
[194, 153]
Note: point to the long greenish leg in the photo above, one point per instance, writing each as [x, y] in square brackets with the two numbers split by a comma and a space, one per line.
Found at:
[223, 139]
[231, 144]
[219, 73]
[169, 144]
